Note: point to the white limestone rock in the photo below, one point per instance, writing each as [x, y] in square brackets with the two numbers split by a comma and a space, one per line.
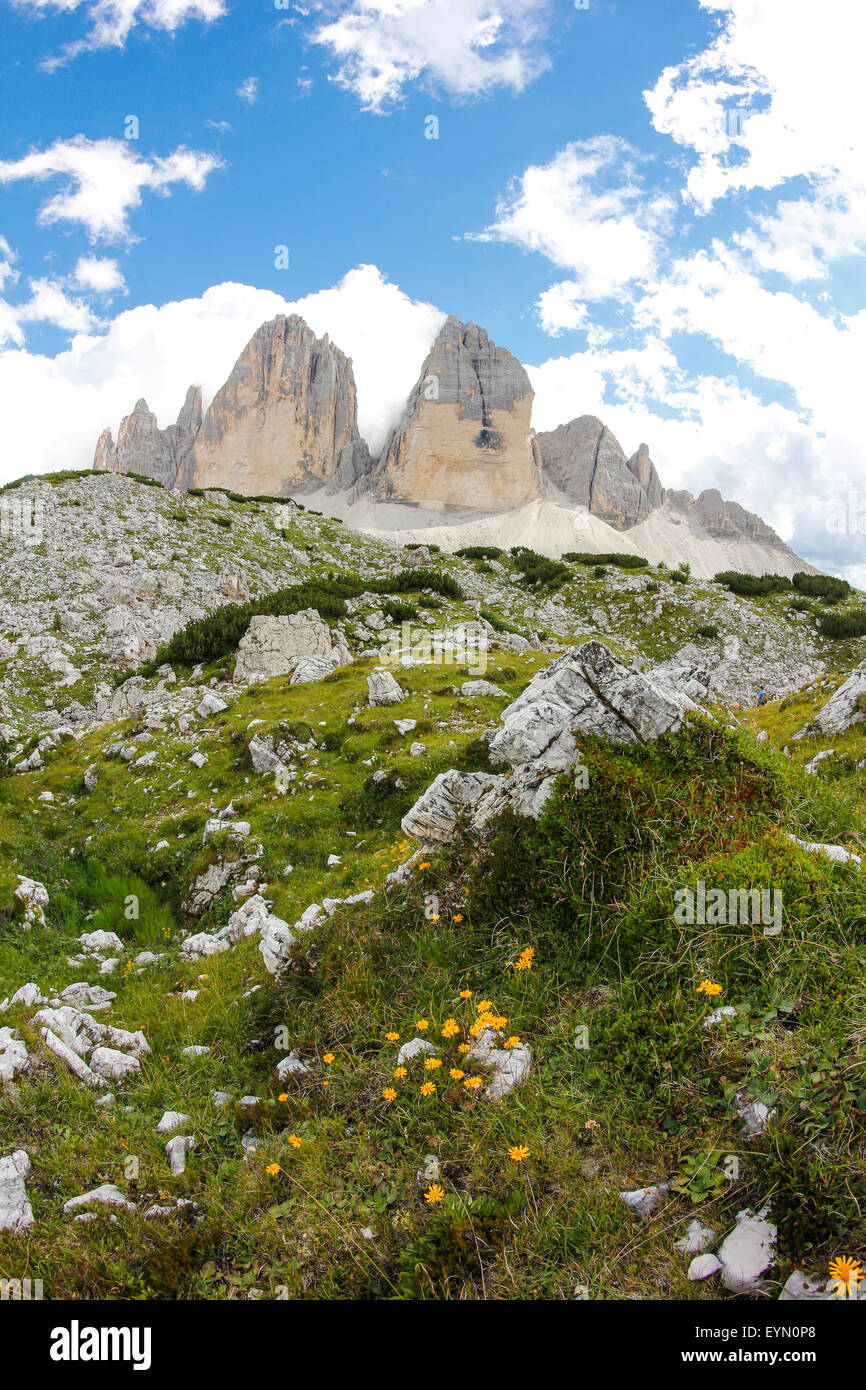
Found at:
[16, 1213]
[107, 1195]
[511, 1065]
[177, 1151]
[383, 689]
[747, 1251]
[171, 1120]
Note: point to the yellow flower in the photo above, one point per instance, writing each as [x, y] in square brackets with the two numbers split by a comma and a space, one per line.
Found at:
[434, 1193]
[295, 1141]
[513, 1041]
[428, 1088]
[328, 1058]
[847, 1275]
[518, 1153]
[392, 1037]
[400, 1073]
[450, 1028]
[389, 1093]
[466, 994]
[484, 1006]
[272, 1169]
[525, 959]
[707, 987]
[497, 1022]
[432, 1063]
[425, 865]
[283, 1098]
[464, 1047]
[422, 1024]
[326, 1083]
[458, 917]
[456, 1074]
[434, 916]
[472, 1083]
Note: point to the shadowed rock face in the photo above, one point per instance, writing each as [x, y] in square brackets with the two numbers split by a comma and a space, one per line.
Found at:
[285, 421]
[142, 447]
[584, 461]
[721, 519]
[464, 439]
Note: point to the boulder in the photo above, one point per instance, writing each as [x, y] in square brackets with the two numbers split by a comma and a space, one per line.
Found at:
[382, 688]
[584, 689]
[273, 647]
[846, 707]
[747, 1251]
[16, 1213]
[511, 1065]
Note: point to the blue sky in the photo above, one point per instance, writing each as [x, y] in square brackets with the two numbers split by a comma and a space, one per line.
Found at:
[589, 200]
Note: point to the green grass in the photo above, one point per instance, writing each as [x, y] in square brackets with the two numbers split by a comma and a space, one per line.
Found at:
[590, 889]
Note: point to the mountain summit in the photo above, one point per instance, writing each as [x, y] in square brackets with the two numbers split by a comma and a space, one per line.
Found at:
[462, 465]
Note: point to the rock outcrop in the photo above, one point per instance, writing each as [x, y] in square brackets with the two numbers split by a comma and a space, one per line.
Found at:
[464, 440]
[142, 447]
[720, 519]
[274, 646]
[844, 709]
[285, 421]
[586, 690]
[585, 463]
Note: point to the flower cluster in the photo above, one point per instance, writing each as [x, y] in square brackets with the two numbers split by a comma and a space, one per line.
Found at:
[455, 1035]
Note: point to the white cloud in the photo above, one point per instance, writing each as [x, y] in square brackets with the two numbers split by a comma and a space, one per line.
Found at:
[803, 236]
[712, 432]
[798, 65]
[7, 263]
[248, 91]
[466, 47]
[157, 352]
[112, 21]
[49, 303]
[780, 337]
[104, 181]
[100, 274]
[587, 211]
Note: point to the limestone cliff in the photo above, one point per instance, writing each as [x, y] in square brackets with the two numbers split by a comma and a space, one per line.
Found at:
[142, 447]
[287, 418]
[285, 421]
[464, 440]
[585, 463]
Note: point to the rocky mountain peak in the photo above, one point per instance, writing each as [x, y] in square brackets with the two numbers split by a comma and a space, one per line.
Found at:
[464, 439]
[286, 420]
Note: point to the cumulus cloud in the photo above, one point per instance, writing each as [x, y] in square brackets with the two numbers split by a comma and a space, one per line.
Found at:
[157, 352]
[588, 211]
[111, 21]
[796, 71]
[99, 274]
[465, 47]
[713, 432]
[103, 181]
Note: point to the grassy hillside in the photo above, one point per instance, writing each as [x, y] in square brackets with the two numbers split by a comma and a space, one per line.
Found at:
[555, 928]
